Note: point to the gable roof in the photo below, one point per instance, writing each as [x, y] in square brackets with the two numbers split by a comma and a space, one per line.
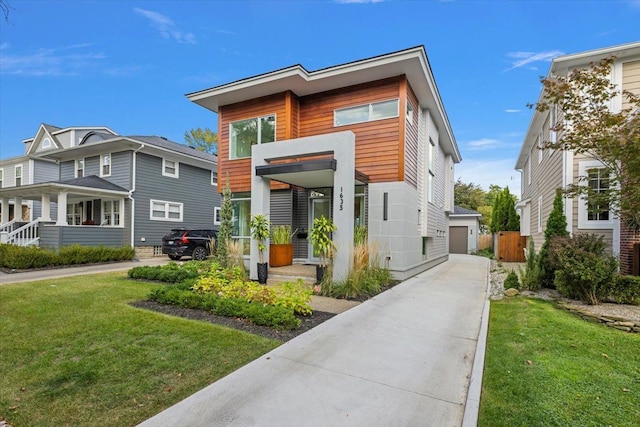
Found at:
[162, 142]
[412, 62]
[560, 66]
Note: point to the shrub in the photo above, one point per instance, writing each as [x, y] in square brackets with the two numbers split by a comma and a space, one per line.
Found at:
[266, 315]
[486, 252]
[626, 290]
[512, 281]
[531, 275]
[585, 271]
[25, 257]
[161, 274]
[556, 227]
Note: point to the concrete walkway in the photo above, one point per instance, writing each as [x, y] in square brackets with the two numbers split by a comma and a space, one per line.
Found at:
[411, 356]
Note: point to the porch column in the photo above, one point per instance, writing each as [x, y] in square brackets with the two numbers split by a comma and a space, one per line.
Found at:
[343, 200]
[260, 204]
[17, 208]
[62, 208]
[45, 215]
[4, 218]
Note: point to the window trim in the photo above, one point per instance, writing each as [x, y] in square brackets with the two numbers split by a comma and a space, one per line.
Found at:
[217, 217]
[528, 166]
[166, 210]
[214, 179]
[46, 143]
[584, 223]
[409, 112]
[1, 177]
[102, 165]
[176, 164]
[369, 119]
[540, 150]
[259, 136]
[112, 212]
[539, 214]
[15, 175]
[75, 167]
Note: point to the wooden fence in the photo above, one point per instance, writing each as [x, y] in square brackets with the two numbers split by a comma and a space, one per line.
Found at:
[511, 246]
[485, 241]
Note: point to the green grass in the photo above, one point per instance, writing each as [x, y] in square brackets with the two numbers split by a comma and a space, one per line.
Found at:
[546, 367]
[73, 352]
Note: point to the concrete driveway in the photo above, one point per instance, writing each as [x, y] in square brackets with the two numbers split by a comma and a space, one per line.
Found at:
[411, 356]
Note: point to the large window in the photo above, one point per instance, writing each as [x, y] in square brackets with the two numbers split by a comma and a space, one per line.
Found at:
[431, 175]
[170, 168]
[1, 178]
[366, 113]
[241, 231]
[165, 211]
[74, 213]
[593, 211]
[105, 165]
[18, 175]
[110, 213]
[598, 182]
[79, 168]
[247, 133]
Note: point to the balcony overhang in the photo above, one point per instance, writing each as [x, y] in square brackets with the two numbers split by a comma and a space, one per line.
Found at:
[306, 174]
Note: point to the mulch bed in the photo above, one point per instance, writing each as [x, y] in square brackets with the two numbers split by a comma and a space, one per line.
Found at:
[306, 322]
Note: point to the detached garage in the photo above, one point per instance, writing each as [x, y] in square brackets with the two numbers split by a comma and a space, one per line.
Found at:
[464, 227]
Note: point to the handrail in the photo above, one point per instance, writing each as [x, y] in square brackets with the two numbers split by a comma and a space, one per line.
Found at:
[7, 227]
[25, 235]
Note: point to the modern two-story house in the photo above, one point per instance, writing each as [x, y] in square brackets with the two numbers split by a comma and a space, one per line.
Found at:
[543, 171]
[365, 143]
[91, 186]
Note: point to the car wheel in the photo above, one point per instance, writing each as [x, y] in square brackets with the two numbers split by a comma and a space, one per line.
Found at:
[200, 253]
[175, 257]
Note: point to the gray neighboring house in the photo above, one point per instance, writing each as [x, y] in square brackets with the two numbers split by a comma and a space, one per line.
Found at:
[91, 186]
[464, 229]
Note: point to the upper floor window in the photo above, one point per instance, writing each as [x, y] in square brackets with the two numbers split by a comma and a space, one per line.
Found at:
[528, 168]
[432, 174]
[539, 143]
[409, 113]
[18, 175]
[366, 113]
[593, 211]
[165, 211]
[170, 168]
[246, 133]
[46, 143]
[105, 165]
[214, 178]
[1, 178]
[79, 168]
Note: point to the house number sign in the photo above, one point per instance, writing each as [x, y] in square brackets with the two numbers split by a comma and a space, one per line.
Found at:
[341, 199]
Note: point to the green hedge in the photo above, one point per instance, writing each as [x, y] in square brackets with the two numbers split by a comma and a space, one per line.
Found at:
[626, 290]
[26, 257]
[162, 274]
[267, 315]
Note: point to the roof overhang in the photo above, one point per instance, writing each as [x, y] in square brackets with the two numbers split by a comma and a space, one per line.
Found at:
[412, 63]
[305, 174]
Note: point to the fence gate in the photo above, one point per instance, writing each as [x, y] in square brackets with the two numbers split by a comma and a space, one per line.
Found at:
[511, 246]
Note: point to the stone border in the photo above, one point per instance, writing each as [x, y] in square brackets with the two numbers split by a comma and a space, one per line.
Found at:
[615, 322]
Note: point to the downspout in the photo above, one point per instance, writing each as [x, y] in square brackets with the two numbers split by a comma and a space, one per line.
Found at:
[133, 189]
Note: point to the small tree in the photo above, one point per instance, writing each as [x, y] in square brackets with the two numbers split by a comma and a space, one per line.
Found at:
[556, 226]
[226, 226]
[531, 274]
[504, 216]
[204, 140]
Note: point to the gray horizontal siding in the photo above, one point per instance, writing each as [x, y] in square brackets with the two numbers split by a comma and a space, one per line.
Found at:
[45, 171]
[54, 237]
[193, 189]
[301, 222]
[67, 170]
[281, 208]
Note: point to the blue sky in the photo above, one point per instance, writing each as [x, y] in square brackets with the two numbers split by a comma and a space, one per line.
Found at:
[128, 64]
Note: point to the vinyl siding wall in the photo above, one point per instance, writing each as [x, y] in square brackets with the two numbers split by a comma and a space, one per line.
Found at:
[193, 189]
[55, 237]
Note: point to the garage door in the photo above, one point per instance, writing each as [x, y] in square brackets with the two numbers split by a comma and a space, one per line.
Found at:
[458, 240]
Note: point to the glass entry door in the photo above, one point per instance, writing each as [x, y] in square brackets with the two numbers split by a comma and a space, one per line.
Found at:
[319, 207]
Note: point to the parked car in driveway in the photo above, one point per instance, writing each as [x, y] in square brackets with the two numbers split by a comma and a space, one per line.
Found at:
[195, 243]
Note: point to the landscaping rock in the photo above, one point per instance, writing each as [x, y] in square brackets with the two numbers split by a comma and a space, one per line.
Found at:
[511, 292]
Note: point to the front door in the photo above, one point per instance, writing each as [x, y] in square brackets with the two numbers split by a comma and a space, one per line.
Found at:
[319, 207]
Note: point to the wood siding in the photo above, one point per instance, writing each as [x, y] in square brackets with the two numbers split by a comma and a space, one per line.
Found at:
[377, 141]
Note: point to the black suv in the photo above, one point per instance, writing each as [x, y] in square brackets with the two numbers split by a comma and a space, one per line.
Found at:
[181, 242]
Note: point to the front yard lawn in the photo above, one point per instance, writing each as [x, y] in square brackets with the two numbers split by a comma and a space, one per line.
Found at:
[73, 352]
[546, 367]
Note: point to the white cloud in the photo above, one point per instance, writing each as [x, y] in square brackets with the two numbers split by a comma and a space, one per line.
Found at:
[483, 144]
[512, 110]
[520, 59]
[166, 26]
[485, 172]
[51, 62]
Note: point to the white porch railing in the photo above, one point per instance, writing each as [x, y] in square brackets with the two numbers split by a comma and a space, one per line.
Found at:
[7, 227]
[24, 236]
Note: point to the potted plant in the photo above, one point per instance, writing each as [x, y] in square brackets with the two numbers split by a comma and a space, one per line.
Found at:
[281, 247]
[323, 246]
[260, 227]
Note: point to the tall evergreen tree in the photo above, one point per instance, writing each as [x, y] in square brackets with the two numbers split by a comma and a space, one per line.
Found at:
[504, 216]
[226, 226]
[556, 227]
